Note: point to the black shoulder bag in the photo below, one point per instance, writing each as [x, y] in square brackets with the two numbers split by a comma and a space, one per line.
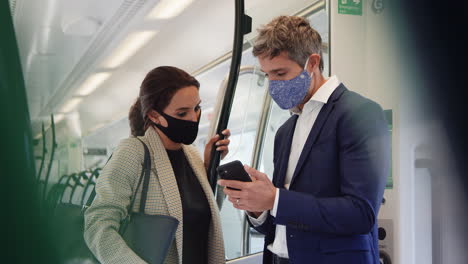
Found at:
[149, 236]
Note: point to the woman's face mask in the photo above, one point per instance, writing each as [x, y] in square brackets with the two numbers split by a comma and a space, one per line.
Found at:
[290, 93]
[179, 130]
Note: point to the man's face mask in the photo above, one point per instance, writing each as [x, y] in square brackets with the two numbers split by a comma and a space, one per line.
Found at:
[178, 130]
[289, 93]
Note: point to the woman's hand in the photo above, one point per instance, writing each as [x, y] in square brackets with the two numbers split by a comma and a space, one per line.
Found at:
[221, 145]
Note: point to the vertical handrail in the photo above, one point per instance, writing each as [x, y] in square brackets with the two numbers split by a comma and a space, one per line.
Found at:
[52, 153]
[243, 25]
[44, 151]
[257, 151]
[259, 139]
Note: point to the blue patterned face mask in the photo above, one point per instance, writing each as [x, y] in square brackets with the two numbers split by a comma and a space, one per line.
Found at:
[289, 93]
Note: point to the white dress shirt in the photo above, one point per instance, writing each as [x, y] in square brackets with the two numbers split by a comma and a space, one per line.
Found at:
[305, 121]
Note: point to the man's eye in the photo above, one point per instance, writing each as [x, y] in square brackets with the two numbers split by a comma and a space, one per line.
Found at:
[280, 74]
[183, 114]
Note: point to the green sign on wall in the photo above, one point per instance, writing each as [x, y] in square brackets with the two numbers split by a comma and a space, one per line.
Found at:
[350, 7]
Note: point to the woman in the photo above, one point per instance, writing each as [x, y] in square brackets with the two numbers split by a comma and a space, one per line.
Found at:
[165, 117]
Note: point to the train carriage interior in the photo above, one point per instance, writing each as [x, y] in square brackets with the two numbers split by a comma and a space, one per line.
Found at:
[83, 62]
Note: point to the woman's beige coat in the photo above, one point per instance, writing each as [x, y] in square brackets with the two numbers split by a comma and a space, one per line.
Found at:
[117, 183]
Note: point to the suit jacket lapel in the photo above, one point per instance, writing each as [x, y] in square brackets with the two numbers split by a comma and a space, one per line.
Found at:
[325, 112]
[285, 152]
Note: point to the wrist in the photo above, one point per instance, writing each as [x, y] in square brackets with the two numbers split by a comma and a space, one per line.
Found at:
[273, 197]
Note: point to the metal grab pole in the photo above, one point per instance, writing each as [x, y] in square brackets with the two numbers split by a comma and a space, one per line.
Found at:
[44, 151]
[243, 25]
[49, 166]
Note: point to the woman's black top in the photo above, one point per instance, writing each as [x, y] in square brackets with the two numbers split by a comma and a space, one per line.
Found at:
[196, 210]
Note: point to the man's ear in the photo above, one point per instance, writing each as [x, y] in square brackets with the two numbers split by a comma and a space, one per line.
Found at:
[314, 62]
[153, 116]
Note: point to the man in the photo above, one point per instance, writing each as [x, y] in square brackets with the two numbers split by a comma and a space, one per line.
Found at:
[331, 158]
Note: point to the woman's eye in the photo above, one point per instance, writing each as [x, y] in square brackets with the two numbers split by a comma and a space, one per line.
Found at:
[197, 108]
[183, 114]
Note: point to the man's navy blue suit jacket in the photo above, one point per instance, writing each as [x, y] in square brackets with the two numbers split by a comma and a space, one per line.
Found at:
[330, 210]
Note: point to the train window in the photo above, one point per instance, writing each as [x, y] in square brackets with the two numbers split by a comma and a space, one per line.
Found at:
[243, 123]
[320, 22]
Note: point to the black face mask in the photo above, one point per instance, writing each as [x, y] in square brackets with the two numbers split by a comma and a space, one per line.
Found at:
[178, 130]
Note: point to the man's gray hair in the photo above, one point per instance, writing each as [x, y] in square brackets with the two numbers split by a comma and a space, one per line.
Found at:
[291, 34]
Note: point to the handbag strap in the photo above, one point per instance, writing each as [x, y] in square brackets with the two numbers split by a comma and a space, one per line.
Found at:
[145, 171]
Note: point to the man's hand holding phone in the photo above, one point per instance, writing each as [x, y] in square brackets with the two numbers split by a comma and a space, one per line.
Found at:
[255, 196]
[233, 170]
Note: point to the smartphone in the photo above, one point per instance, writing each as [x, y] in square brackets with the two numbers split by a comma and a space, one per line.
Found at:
[233, 170]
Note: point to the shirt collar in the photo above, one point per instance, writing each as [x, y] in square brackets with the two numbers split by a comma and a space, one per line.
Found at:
[321, 95]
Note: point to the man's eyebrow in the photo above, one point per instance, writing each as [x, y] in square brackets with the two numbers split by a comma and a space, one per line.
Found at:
[274, 70]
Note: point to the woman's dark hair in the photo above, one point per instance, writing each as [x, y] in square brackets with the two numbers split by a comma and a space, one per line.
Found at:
[156, 92]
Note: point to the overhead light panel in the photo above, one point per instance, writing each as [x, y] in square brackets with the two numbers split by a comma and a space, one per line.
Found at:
[128, 48]
[71, 104]
[168, 9]
[92, 83]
